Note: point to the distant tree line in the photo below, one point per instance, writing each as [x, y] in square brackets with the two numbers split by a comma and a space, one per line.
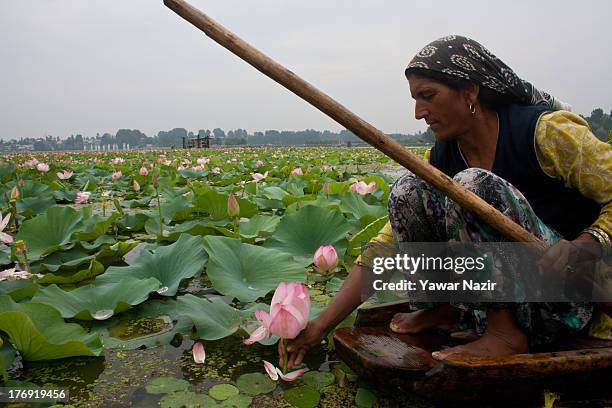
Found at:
[600, 122]
[135, 139]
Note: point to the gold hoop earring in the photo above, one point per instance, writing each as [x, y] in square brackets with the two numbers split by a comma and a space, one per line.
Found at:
[472, 108]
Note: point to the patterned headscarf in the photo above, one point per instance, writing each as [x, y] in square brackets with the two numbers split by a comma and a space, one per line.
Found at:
[465, 58]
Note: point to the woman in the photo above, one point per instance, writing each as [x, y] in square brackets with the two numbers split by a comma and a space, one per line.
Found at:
[521, 151]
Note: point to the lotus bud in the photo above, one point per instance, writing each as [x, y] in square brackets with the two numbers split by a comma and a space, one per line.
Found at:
[135, 185]
[15, 194]
[143, 171]
[325, 259]
[198, 352]
[116, 175]
[21, 183]
[326, 188]
[233, 208]
[20, 248]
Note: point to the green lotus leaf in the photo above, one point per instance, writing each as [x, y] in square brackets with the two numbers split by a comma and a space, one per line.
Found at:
[365, 235]
[318, 379]
[320, 201]
[247, 271]
[98, 301]
[5, 254]
[354, 205]
[186, 399]
[18, 289]
[150, 324]
[114, 253]
[259, 225]
[177, 208]
[255, 383]
[164, 385]
[101, 240]
[7, 356]
[213, 318]
[36, 198]
[275, 193]
[133, 222]
[38, 331]
[303, 396]
[237, 401]
[48, 232]
[214, 203]
[266, 204]
[94, 226]
[168, 264]
[94, 269]
[221, 392]
[70, 259]
[300, 234]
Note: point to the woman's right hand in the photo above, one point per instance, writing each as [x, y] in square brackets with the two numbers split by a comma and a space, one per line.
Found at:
[311, 336]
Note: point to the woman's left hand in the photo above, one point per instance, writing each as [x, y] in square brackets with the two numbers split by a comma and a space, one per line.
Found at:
[564, 254]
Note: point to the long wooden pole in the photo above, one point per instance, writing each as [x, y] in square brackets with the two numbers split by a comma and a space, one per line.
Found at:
[355, 124]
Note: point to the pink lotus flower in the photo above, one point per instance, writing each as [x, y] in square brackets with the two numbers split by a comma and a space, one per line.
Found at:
[216, 170]
[197, 168]
[298, 171]
[288, 316]
[143, 171]
[259, 176]
[118, 160]
[82, 197]
[116, 175]
[30, 163]
[198, 352]
[325, 168]
[4, 237]
[275, 372]
[203, 160]
[259, 163]
[15, 194]
[325, 259]
[42, 167]
[65, 175]
[362, 188]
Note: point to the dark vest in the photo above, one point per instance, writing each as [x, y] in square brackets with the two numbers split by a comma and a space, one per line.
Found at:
[561, 208]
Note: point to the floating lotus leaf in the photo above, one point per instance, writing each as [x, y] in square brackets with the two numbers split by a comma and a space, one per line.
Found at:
[165, 385]
[354, 205]
[364, 398]
[48, 232]
[300, 234]
[304, 396]
[150, 324]
[213, 318]
[365, 235]
[7, 356]
[255, 383]
[259, 225]
[100, 300]
[237, 401]
[168, 264]
[186, 399]
[93, 226]
[221, 392]
[275, 193]
[70, 259]
[248, 271]
[318, 379]
[101, 240]
[38, 331]
[133, 222]
[5, 254]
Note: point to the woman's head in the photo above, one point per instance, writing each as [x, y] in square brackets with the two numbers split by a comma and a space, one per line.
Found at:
[460, 68]
[450, 104]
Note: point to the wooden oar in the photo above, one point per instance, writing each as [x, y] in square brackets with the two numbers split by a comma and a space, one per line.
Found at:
[354, 123]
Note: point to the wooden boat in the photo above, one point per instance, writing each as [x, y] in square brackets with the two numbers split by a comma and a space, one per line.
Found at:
[402, 363]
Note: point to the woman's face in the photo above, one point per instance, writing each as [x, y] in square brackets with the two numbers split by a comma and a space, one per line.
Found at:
[444, 109]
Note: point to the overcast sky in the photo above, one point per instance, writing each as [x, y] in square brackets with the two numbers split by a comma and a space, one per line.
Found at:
[88, 66]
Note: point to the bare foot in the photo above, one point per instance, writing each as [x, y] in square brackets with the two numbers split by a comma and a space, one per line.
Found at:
[503, 337]
[442, 317]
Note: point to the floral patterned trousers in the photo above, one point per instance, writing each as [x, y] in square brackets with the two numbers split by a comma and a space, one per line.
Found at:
[420, 213]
